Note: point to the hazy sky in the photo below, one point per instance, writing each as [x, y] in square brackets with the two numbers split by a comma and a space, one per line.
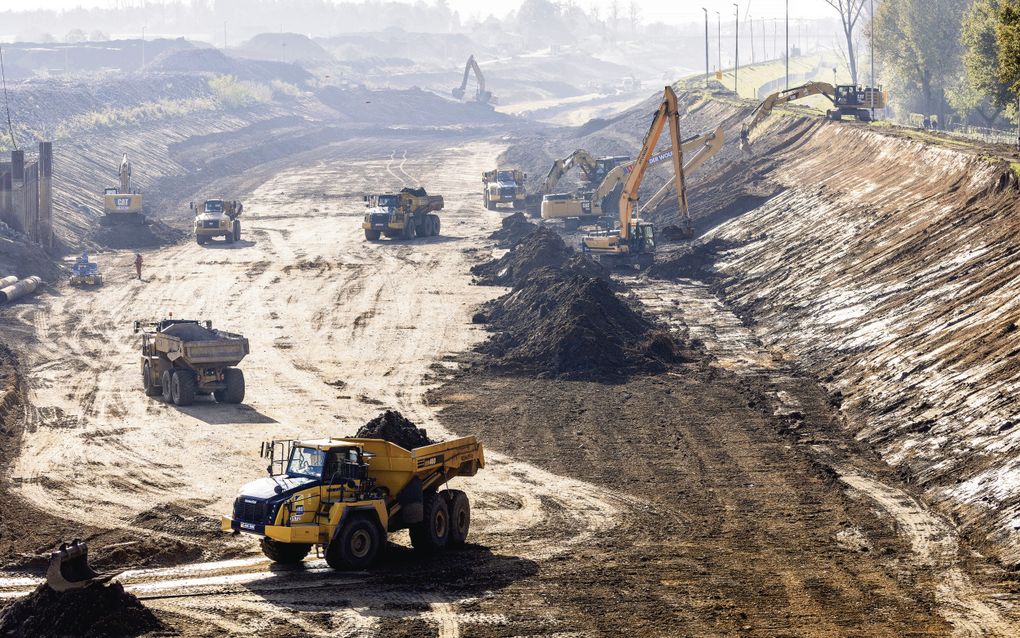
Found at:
[665, 10]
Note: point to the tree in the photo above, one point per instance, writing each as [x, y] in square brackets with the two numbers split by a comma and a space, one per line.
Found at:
[919, 42]
[980, 90]
[1007, 36]
[849, 13]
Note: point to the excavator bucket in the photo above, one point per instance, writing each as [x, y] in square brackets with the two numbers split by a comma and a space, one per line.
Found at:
[69, 568]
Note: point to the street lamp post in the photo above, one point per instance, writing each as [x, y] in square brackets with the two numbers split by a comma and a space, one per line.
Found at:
[736, 46]
[718, 41]
[788, 45]
[143, 47]
[873, 85]
[706, 46]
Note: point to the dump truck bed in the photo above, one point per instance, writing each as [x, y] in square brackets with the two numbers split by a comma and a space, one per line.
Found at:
[197, 346]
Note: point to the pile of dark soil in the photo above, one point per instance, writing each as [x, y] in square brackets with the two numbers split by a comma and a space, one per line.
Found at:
[564, 323]
[151, 234]
[392, 426]
[539, 249]
[515, 228]
[690, 261]
[97, 610]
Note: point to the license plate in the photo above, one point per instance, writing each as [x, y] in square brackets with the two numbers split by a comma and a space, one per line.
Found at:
[248, 526]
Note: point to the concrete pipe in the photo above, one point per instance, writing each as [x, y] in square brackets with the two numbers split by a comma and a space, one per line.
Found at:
[20, 289]
[8, 281]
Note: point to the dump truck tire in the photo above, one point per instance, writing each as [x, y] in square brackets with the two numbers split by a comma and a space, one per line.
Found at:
[182, 387]
[433, 532]
[234, 392]
[372, 235]
[460, 516]
[229, 237]
[355, 545]
[200, 240]
[237, 230]
[164, 384]
[439, 225]
[284, 553]
[409, 231]
[151, 389]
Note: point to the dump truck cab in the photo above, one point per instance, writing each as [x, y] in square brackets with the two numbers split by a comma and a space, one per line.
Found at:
[217, 218]
[504, 186]
[346, 495]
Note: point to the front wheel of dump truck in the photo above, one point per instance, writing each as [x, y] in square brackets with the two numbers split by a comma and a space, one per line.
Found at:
[284, 553]
[460, 516]
[151, 389]
[433, 532]
[355, 545]
[234, 392]
[182, 387]
[372, 235]
[409, 230]
[237, 230]
[164, 384]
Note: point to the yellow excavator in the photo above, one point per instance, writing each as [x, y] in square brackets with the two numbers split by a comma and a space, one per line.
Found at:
[632, 245]
[593, 171]
[600, 202]
[481, 95]
[848, 100]
[121, 204]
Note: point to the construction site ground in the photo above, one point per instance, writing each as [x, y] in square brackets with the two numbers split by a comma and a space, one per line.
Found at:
[724, 497]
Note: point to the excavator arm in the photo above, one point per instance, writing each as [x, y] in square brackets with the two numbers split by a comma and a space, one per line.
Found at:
[703, 146]
[764, 108]
[560, 167]
[472, 66]
[667, 113]
[125, 175]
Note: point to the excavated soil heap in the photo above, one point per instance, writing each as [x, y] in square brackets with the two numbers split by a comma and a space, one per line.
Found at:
[565, 323]
[393, 427]
[515, 228]
[541, 248]
[93, 612]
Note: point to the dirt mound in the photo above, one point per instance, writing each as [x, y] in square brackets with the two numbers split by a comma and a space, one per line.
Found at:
[209, 60]
[97, 610]
[515, 228]
[561, 322]
[690, 261]
[151, 234]
[539, 249]
[405, 106]
[393, 427]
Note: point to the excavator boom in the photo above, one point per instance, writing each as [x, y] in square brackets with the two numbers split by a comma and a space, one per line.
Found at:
[483, 96]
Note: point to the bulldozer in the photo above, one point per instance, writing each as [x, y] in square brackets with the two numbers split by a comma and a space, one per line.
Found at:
[345, 495]
[121, 205]
[481, 95]
[602, 202]
[407, 214]
[848, 100]
[632, 245]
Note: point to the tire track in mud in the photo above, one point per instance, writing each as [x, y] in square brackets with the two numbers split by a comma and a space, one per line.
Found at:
[416, 301]
[936, 551]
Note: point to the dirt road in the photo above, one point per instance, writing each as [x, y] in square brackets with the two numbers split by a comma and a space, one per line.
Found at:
[339, 329]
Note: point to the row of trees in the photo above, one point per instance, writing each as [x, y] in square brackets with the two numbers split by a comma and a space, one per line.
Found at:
[941, 56]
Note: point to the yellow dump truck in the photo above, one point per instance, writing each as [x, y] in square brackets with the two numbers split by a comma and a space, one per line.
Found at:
[345, 495]
[408, 214]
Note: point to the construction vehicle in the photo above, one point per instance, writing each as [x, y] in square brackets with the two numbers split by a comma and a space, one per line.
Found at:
[593, 171]
[345, 495]
[604, 200]
[633, 243]
[847, 100]
[408, 214]
[85, 272]
[69, 568]
[182, 358]
[481, 95]
[504, 186]
[217, 218]
[121, 205]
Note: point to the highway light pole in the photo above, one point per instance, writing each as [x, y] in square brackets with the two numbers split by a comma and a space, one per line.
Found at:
[718, 41]
[736, 46]
[788, 45]
[706, 46]
[873, 85]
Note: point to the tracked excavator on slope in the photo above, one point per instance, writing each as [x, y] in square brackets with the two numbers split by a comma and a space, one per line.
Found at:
[593, 171]
[632, 245]
[603, 201]
[121, 205]
[847, 100]
[481, 95]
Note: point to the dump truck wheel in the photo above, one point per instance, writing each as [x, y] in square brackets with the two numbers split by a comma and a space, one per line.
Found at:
[200, 240]
[460, 516]
[237, 230]
[182, 387]
[151, 389]
[234, 393]
[434, 531]
[284, 553]
[165, 386]
[436, 225]
[355, 546]
[409, 230]
[372, 235]
[229, 237]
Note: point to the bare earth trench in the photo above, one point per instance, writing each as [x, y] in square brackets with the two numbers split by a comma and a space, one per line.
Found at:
[341, 328]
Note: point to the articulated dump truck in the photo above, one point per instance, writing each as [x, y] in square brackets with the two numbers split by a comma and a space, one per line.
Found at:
[345, 495]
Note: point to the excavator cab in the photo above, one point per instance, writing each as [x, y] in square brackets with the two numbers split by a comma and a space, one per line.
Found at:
[69, 568]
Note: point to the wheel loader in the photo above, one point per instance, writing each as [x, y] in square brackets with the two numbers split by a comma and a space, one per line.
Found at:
[345, 495]
[183, 358]
[408, 214]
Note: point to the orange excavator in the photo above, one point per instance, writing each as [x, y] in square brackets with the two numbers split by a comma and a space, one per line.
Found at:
[632, 245]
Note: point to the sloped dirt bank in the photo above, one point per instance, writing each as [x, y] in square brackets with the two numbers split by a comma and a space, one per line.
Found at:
[889, 267]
